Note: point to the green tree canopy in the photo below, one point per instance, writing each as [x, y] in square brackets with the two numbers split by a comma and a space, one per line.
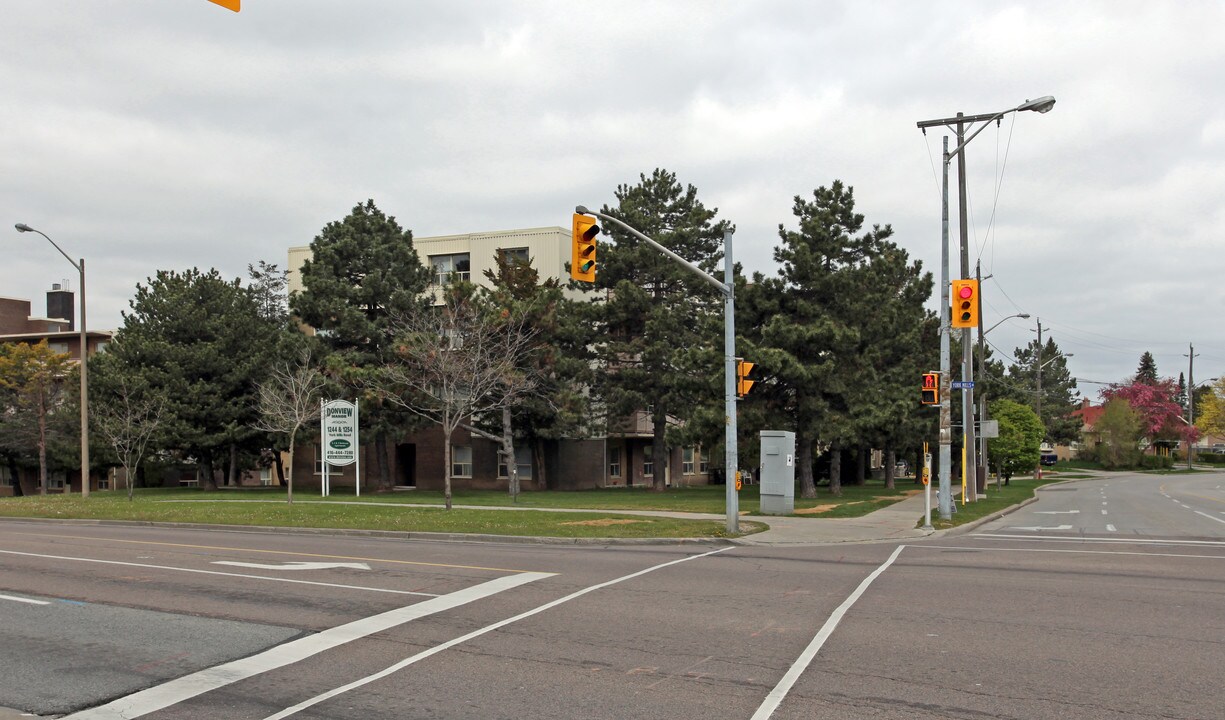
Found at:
[1059, 394]
[1017, 448]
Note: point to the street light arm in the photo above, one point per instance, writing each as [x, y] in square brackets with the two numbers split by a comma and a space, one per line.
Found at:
[1001, 322]
[22, 227]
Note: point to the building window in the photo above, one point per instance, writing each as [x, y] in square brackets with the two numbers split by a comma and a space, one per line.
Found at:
[515, 256]
[318, 460]
[6, 477]
[461, 461]
[104, 482]
[687, 461]
[101, 346]
[59, 348]
[648, 462]
[55, 481]
[523, 463]
[265, 476]
[451, 267]
[614, 462]
[703, 462]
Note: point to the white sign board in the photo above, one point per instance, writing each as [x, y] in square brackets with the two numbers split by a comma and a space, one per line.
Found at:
[339, 432]
[989, 429]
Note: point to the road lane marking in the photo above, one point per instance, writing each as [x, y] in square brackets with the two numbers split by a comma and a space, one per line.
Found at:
[23, 600]
[189, 686]
[1197, 512]
[1077, 552]
[275, 552]
[1103, 511]
[1065, 539]
[1056, 512]
[294, 565]
[218, 572]
[1036, 528]
[775, 698]
[475, 633]
[1110, 528]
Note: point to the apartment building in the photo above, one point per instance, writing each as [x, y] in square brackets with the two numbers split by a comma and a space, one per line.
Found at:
[621, 457]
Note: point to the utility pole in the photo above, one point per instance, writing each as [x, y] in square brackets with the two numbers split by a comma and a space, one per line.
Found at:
[1190, 403]
[982, 373]
[967, 340]
[946, 412]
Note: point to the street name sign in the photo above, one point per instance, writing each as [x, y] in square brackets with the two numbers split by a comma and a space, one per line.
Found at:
[963, 384]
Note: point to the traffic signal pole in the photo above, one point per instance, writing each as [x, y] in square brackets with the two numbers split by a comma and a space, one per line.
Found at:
[728, 289]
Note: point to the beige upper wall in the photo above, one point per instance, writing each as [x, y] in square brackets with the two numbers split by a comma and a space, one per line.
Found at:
[549, 248]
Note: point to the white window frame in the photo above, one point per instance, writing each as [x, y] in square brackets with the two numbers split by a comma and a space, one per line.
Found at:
[687, 462]
[523, 463]
[516, 256]
[703, 461]
[614, 462]
[648, 461]
[460, 468]
[445, 267]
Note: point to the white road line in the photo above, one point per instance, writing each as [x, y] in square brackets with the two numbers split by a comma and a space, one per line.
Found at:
[198, 683]
[1136, 541]
[1197, 512]
[1110, 528]
[1076, 552]
[24, 600]
[1103, 512]
[218, 572]
[780, 690]
[475, 633]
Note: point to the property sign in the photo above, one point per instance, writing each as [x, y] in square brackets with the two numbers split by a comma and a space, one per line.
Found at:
[339, 432]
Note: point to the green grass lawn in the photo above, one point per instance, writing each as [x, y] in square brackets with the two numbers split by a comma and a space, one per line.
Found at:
[218, 508]
[408, 511]
[855, 501]
[1019, 490]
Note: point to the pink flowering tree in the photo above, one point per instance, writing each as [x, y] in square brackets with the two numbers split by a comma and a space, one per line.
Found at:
[1157, 404]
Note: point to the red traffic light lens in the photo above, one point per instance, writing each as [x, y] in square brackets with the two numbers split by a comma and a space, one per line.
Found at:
[966, 291]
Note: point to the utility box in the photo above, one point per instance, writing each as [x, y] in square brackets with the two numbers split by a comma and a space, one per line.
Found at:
[777, 472]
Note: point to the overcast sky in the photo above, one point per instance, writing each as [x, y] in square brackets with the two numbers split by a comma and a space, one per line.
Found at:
[165, 134]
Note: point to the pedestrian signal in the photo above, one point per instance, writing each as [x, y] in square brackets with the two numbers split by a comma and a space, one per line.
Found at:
[931, 389]
[743, 383]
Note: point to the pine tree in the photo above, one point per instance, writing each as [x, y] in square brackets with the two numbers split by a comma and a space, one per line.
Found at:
[1147, 372]
[660, 325]
[363, 273]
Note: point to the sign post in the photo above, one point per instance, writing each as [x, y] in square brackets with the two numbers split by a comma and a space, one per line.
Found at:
[339, 439]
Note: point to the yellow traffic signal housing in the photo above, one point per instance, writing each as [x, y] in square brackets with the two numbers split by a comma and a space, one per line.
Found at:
[931, 389]
[743, 383]
[234, 5]
[582, 262]
[965, 303]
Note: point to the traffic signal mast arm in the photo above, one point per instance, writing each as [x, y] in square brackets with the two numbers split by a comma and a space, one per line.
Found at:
[725, 288]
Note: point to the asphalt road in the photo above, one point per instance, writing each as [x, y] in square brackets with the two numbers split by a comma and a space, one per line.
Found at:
[1054, 611]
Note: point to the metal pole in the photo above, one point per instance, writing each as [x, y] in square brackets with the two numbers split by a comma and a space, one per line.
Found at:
[1190, 404]
[982, 373]
[946, 419]
[84, 391]
[729, 389]
[967, 341]
[1038, 403]
[357, 456]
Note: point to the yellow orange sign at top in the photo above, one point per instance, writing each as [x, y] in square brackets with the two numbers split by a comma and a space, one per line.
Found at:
[230, 4]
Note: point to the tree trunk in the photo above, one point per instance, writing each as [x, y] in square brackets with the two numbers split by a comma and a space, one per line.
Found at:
[289, 473]
[232, 474]
[280, 466]
[861, 466]
[508, 452]
[446, 458]
[13, 473]
[659, 450]
[803, 458]
[206, 467]
[890, 463]
[540, 474]
[380, 452]
[835, 469]
[42, 448]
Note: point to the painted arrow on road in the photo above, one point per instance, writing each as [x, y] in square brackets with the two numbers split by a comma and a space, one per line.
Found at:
[1038, 527]
[1056, 512]
[295, 565]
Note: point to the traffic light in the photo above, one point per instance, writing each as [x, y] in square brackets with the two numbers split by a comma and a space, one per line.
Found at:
[582, 263]
[931, 389]
[228, 4]
[743, 383]
[965, 303]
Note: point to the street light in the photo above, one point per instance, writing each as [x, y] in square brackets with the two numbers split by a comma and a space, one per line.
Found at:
[80, 266]
[958, 125]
